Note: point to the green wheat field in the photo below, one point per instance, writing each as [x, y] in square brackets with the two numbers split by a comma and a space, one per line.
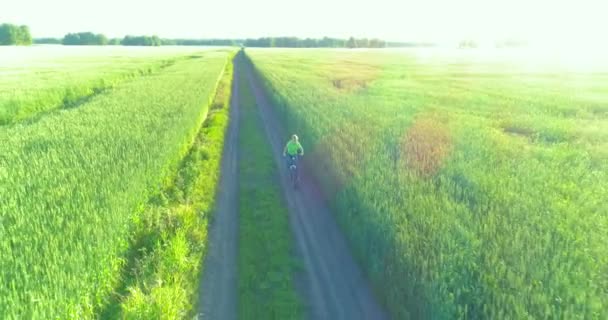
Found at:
[470, 186]
[87, 140]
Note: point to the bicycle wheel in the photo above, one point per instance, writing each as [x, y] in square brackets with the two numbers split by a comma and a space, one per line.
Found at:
[294, 176]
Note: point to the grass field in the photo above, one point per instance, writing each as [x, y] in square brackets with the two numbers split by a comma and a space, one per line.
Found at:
[265, 265]
[163, 271]
[39, 79]
[76, 181]
[469, 187]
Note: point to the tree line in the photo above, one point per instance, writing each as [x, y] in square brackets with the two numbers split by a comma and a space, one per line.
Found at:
[92, 39]
[84, 39]
[152, 41]
[138, 40]
[11, 34]
[202, 42]
[88, 38]
[20, 35]
[325, 42]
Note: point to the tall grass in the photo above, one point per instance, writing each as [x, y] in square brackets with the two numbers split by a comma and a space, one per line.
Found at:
[40, 84]
[74, 182]
[467, 189]
[170, 238]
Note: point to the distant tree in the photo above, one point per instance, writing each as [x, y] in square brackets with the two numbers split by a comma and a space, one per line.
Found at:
[260, 42]
[7, 35]
[71, 39]
[114, 42]
[309, 43]
[340, 43]
[15, 35]
[141, 41]
[282, 42]
[168, 42]
[101, 39]
[362, 43]
[47, 41]
[84, 39]
[377, 43]
[265, 42]
[351, 43]
[24, 37]
[325, 42]
[202, 42]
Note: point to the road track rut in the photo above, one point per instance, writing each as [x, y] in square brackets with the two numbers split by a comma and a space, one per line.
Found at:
[218, 299]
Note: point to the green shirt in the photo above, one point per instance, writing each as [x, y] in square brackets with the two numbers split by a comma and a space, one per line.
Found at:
[293, 148]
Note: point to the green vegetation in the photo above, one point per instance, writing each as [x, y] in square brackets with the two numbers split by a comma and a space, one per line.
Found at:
[265, 283]
[170, 235]
[47, 40]
[468, 188]
[75, 188]
[325, 42]
[51, 83]
[84, 39]
[14, 35]
[92, 39]
[202, 42]
[149, 41]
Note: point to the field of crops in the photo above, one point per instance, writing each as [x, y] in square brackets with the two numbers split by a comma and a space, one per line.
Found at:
[75, 176]
[469, 187]
[38, 79]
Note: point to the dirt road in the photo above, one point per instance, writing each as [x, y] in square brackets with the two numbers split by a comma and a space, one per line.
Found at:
[332, 284]
[218, 299]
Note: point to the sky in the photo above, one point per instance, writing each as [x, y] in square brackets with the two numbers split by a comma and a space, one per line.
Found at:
[537, 21]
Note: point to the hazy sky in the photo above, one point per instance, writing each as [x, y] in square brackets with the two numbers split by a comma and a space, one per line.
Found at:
[432, 20]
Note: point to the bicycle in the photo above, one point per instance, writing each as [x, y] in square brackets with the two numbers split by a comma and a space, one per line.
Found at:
[293, 170]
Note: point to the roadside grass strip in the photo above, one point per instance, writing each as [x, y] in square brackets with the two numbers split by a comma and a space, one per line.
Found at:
[163, 270]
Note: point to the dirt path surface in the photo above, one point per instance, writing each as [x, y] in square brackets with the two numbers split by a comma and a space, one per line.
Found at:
[218, 299]
[332, 285]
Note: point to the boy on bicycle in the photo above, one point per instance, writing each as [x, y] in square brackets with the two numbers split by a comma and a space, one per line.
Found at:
[292, 150]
